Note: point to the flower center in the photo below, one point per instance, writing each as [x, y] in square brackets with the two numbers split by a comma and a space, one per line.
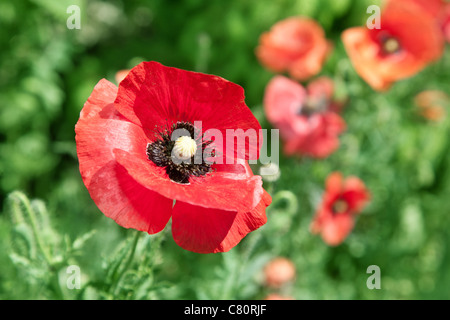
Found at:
[340, 206]
[185, 147]
[183, 157]
[313, 105]
[391, 45]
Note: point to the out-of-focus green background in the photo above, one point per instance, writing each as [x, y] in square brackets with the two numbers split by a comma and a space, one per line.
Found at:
[47, 71]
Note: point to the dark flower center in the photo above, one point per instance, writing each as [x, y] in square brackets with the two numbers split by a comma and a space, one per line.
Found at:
[313, 105]
[181, 150]
[390, 45]
[340, 206]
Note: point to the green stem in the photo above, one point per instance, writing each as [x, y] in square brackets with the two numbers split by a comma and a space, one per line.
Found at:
[17, 196]
[22, 198]
[127, 263]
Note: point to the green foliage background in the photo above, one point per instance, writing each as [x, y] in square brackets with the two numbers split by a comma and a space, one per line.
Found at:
[47, 71]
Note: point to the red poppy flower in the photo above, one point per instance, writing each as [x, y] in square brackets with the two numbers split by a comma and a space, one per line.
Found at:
[409, 39]
[306, 118]
[297, 45]
[342, 201]
[133, 169]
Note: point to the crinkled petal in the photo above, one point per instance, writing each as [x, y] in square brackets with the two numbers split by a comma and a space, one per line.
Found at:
[205, 230]
[219, 190]
[153, 95]
[99, 130]
[127, 202]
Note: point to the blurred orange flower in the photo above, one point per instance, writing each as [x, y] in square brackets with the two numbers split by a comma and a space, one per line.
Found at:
[296, 45]
[275, 296]
[342, 201]
[306, 117]
[278, 272]
[432, 104]
[409, 39]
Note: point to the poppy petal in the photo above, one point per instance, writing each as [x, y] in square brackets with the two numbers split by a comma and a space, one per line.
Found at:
[127, 202]
[335, 230]
[283, 99]
[97, 138]
[355, 193]
[204, 230]
[334, 183]
[219, 190]
[90, 127]
[153, 94]
[99, 130]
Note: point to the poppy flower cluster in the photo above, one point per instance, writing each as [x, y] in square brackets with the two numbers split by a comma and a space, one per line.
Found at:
[134, 169]
[342, 201]
[409, 39]
[307, 118]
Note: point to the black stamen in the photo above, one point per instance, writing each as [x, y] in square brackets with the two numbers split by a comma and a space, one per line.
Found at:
[160, 152]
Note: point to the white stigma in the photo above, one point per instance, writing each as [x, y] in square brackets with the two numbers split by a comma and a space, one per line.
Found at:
[185, 147]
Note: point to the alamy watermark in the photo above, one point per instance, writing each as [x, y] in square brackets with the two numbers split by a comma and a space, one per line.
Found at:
[374, 21]
[74, 277]
[374, 281]
[74, 20]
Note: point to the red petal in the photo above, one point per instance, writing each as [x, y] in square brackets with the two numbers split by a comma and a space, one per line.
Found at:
[204, 230]
[335, 230]
[334, 183]
[219, 190]
[99, 130]
[355, 193]
[96, 139]
[283, 99]
[97, 110]
[322, 87]
[154, 95]
[102, 97]
[127, 202]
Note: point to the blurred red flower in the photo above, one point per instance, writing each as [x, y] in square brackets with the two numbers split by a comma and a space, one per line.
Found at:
[409, 39]
[275, 296]
[342, 201]
[307, 118]
[278, 272]
[123, 142]
[296, 45]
